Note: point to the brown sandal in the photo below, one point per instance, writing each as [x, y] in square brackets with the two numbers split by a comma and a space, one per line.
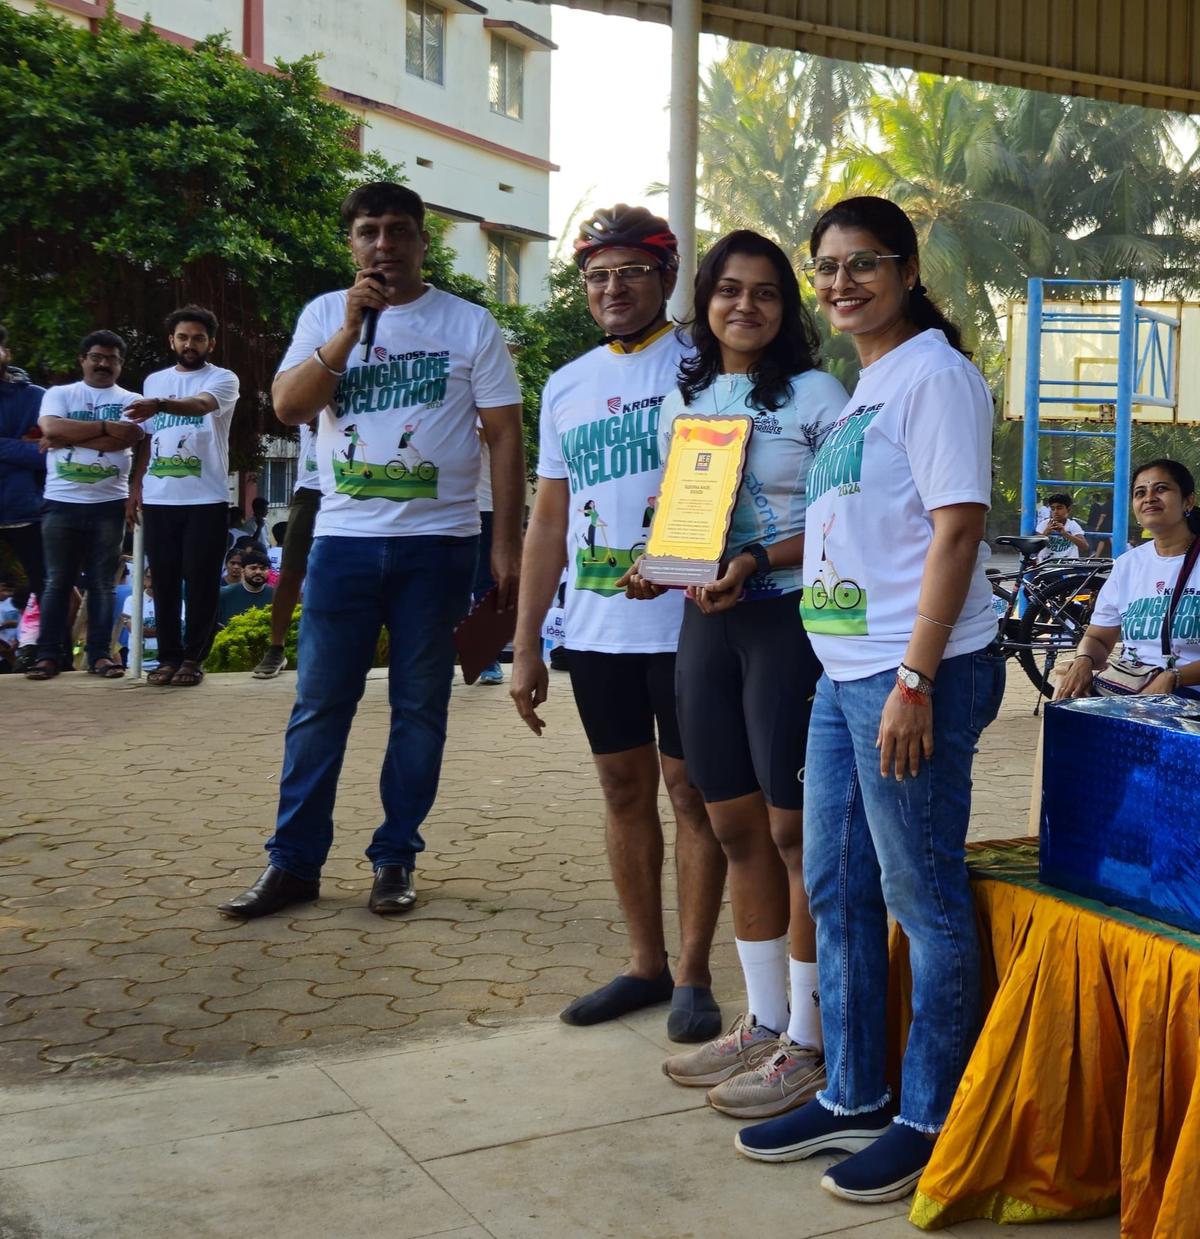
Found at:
[108, 668]
[161, 675]
[43, 669]
[189, 674]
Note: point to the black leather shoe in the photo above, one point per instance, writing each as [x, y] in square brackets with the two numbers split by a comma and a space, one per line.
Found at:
[393, 890]
[275, 889]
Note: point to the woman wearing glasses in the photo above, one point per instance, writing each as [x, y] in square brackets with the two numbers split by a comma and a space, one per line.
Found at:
[745, 671]
[903, 627]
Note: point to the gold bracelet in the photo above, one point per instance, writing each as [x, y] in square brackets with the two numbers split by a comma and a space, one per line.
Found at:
[930, 620]
[337, 374]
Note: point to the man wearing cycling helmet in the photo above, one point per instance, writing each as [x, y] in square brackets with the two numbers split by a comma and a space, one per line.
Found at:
[598, 461]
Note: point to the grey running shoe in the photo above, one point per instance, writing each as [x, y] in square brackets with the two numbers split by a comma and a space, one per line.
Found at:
[273, 662]
[744, 1046]
[781, 1081]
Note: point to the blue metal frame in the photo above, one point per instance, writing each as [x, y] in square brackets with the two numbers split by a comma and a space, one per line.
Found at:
[1140, 357]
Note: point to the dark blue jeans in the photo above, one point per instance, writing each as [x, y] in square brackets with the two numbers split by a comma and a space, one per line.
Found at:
[80, 538]
[874, 847]
[418, 588]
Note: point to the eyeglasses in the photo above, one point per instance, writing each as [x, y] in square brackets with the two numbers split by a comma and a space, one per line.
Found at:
[861, 266]
[635, 273]
[97, 358]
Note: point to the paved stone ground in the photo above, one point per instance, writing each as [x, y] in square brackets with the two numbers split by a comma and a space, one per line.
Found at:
[127, 813]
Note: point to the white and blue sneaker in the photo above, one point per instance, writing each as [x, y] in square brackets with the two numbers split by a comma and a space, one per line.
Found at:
[812, 1129]
[491, 675]
[886, 1170]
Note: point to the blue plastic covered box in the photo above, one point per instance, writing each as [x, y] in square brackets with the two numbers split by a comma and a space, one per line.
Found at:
[1121, 804]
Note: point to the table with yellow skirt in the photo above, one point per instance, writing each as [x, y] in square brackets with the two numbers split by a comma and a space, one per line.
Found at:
[1082, 1095]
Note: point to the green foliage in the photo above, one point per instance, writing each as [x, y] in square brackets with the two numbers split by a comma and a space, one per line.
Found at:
[140, 175]
[1001, 184]
[240, 645]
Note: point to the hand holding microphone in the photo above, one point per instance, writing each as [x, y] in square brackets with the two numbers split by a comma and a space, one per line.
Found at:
[367, 297]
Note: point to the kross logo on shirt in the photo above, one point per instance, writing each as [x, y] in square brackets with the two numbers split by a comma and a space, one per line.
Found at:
[614, 405]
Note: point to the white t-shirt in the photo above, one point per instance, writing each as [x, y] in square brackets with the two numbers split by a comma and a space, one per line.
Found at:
[599, 430]
[1059, 546]
[80, 474]
[189, 455]
[149, 631]
[915, 436]
[483, 492]
[771, 503]
[308, 476]
[1135, 598]
[397, 450]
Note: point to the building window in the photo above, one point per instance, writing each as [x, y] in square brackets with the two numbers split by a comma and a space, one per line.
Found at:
[277, 480]
[504, 268]
[426, 43]
[506, 78]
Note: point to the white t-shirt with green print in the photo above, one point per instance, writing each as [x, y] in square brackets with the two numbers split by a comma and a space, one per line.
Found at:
[397, 450]
[77, 474]
[189, 455]
[1135, 598]
[915, 436]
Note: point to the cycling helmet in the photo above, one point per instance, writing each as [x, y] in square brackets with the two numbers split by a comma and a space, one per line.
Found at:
[627, 227]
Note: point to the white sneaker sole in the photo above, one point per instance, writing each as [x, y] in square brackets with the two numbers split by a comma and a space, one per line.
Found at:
[706, 1081]
[842, 1141]
[874, 1196]
[268, 675]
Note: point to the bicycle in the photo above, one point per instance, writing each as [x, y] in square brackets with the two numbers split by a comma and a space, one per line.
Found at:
[844, 593]
[1059, 597]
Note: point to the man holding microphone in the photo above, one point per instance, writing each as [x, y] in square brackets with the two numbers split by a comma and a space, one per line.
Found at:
[396, 535]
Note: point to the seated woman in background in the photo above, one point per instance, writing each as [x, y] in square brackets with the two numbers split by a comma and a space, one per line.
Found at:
[1134, 600]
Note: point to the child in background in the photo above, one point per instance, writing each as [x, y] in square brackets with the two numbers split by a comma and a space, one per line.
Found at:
[149, 631]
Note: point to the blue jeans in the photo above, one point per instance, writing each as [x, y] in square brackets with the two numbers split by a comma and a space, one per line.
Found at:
[418, 588]
[874, 846]
[80, 537]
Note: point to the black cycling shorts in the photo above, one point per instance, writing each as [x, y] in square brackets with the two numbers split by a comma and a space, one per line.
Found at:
[744, 680]
[623, 697]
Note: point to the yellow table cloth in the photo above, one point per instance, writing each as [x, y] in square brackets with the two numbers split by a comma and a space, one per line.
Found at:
[1082, 1094]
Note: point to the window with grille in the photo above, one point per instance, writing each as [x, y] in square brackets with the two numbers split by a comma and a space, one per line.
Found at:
[504, 268]
[506, 78]
[276, 481]
[426, 42]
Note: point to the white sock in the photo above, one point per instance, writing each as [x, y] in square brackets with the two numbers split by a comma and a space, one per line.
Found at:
[804, 1025]
[764, 967]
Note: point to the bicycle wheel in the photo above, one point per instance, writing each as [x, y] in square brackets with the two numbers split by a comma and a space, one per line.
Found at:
[426, 471]
[818, 595]
[847, 595]
[395, 469]
[1053, 624]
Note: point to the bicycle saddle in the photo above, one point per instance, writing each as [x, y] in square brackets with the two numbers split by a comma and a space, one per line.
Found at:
[1027, 546]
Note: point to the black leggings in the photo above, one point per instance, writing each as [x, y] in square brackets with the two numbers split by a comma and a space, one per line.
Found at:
[744, 681]
[186, 548]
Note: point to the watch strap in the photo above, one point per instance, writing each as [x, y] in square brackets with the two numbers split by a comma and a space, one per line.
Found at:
[758, 552]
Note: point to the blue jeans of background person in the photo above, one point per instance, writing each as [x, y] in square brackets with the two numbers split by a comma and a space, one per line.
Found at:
[873, 845]
[418, 588]
[80, 538]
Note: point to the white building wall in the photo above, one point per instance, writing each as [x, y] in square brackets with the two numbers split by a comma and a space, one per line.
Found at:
[473, 161]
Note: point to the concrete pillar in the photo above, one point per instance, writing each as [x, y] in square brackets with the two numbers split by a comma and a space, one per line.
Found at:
[685, 137]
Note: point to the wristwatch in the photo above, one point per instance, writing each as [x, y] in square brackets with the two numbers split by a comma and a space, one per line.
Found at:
[914, 681]
[758, 552]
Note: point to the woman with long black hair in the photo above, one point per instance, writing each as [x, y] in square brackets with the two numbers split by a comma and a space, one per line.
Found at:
[745, 671]
[900, 614]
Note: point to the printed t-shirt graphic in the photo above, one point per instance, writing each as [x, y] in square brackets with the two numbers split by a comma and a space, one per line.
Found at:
[916, 435]
[308, 477]
[1147, 579]
[1060, 547]
[80, 474]
[189, 455]
[397, 449]
[771, 503]
[599, 431]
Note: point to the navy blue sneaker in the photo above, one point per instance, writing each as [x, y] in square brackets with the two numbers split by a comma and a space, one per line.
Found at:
[886, 1170]
[812, 1129]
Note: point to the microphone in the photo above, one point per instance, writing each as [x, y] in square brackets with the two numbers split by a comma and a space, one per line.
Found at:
[370, 323]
